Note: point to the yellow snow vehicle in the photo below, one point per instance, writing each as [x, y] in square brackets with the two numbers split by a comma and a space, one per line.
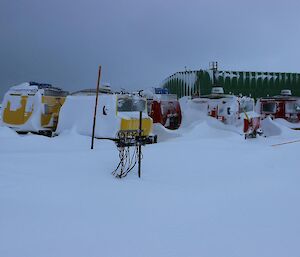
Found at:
[115, 113]
[32, 107]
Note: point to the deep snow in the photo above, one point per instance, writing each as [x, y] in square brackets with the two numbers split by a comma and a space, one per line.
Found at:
[204, 192]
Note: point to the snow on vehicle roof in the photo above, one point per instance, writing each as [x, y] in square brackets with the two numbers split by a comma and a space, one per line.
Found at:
[216, 96]
[23, 87]
[33, 87]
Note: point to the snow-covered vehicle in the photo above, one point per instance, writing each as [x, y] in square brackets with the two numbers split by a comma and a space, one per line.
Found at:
[32, 107]
[115, 113]
[284, 106]
[232, 110]
[163, 108]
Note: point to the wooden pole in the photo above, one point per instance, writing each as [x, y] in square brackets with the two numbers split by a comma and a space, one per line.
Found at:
[96, 104]
[140, 144]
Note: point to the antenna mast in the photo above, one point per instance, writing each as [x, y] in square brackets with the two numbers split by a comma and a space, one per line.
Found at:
[214, 67]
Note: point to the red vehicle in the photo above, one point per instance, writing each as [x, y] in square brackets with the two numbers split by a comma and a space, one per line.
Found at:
[164, 108]
[252, 127]
[284, 106]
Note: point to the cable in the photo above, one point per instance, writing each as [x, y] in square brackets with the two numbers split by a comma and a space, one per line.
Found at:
[128, 158]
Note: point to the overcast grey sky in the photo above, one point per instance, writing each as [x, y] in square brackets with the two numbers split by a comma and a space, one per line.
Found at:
[139, 43]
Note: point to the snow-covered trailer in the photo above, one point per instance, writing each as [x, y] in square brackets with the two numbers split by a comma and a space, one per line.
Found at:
[32, 107]
[283, 106]
[0, 114]
[231, 110]
[115, 113]
[163, 108]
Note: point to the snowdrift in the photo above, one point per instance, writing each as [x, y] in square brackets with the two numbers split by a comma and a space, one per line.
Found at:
[277, 127]
[77, 115]
[163, 133]
[287, 124]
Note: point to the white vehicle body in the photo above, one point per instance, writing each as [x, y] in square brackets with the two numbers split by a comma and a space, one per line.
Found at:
[30, 107]
[231, 110]
[112, 115]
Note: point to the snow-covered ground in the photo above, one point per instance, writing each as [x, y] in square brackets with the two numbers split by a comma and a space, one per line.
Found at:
[204, 191]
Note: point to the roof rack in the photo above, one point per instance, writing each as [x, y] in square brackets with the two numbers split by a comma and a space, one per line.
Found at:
[40, 85]
[49, 89]
[91, 91]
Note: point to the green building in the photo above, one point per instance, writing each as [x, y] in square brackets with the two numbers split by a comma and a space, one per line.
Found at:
[255, 84]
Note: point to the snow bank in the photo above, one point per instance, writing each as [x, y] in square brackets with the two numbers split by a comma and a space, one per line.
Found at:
[287, 124]
[270, 128]
[163, 133]
[78, 111]
[278, 127]
[191, 112]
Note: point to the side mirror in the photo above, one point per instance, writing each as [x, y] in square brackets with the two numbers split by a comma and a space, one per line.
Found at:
[228, 111]
[104, 110]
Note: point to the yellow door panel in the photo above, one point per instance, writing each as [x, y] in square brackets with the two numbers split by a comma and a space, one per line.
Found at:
[52, 106]
[19, 116]
[133, 124]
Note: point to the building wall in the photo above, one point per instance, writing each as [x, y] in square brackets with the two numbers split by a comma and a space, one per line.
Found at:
[255, 84]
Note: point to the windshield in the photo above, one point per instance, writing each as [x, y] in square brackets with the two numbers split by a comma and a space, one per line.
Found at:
[269, 107]
[246, 106]
[127, 104]
[292, 107]
[167, 107]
